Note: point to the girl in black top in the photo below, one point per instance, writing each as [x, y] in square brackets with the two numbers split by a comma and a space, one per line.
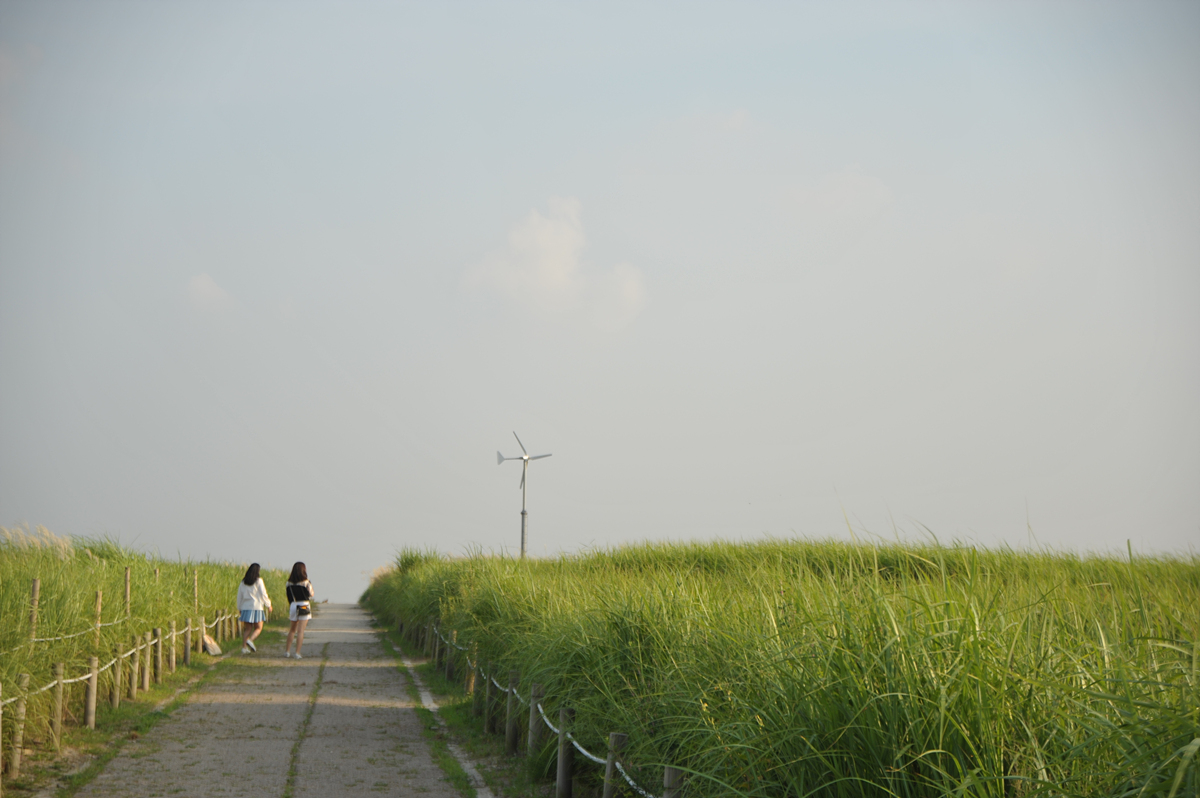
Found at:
[299, 594]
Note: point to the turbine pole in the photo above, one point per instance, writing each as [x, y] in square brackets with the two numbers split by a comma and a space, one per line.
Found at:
[524, 514]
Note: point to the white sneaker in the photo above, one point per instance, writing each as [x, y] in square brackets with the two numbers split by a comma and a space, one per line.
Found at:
[287, 655]
[252, 646]
[245, 650]
[297, 655]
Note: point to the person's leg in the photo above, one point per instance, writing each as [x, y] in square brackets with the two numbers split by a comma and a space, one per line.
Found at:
[291, 634]
[255, 631]
[245, 632]
[300, 633]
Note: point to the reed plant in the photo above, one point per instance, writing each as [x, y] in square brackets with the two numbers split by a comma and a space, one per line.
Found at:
[796, 668]
[70, 572]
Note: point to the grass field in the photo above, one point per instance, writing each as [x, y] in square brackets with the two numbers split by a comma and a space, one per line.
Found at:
[827, 669]
[70, 572]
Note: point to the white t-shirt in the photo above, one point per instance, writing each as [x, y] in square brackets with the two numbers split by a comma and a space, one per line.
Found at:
[253, 597]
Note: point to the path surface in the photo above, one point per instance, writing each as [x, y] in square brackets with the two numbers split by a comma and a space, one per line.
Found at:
[235, 736]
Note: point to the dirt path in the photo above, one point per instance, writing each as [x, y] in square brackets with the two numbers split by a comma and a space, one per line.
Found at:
[237, 736]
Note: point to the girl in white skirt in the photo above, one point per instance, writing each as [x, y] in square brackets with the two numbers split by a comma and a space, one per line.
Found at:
[253, 604]
[299, 593]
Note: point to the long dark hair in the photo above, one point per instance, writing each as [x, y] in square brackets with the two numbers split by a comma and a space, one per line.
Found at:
[299, 573]
[251, 575]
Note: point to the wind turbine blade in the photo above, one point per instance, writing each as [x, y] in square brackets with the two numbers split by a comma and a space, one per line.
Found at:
[499, 458]
[520, 444]
[539, 457]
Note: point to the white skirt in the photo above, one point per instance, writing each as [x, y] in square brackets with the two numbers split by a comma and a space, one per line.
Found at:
[293, 615]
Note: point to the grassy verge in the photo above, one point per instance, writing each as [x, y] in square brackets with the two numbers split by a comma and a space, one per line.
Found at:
[86, 752]
[516, 778]
[798, 667]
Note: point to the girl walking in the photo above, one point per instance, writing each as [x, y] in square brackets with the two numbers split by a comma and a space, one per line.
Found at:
[299, 594]
[253, 604]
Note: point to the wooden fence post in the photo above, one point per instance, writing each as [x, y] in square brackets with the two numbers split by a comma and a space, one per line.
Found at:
[478, 693]
[56, 718]
[18, 739]
[134, 663]
[147, 666]
[187, 643]
[33, 605]
[89, 700]
[489, 716]
[155, 576]
[200, 636]
[127, 611]
[536, 727]
[512, 734]
[672, 782]
[437, 646]
[566, 755]
[450, 656]
[99, 607]
[118, 666]
[196, 590]
[158, 655]
[469, 685]
[616, 744]
[171, 653]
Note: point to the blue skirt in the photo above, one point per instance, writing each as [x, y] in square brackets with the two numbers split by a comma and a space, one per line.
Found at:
[254, 616]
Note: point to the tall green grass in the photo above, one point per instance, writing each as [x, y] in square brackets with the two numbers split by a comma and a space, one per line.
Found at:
[71, 571]
[827, 669]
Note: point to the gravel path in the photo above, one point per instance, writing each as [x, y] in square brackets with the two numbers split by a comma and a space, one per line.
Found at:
[236, 735]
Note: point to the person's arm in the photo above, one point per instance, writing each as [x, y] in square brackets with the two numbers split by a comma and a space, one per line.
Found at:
[262, 586]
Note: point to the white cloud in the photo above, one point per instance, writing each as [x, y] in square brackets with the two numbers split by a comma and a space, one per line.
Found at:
[542, 269]
[207, 296]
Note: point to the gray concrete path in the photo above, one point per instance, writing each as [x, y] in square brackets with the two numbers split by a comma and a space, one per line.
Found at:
[235, 736]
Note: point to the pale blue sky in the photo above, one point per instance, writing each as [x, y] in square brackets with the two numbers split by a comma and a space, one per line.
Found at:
[277, 280]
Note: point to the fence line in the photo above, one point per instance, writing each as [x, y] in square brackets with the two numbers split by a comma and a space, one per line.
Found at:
[90, 630]
[111, 662]
[562, 732]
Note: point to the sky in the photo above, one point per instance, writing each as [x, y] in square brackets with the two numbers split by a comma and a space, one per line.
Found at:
[277, 280]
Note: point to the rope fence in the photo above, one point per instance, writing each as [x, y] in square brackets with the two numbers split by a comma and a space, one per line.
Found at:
[129, 670]
[672, 777]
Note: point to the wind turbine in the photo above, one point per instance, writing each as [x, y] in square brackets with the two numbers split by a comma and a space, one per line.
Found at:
[524, 458]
